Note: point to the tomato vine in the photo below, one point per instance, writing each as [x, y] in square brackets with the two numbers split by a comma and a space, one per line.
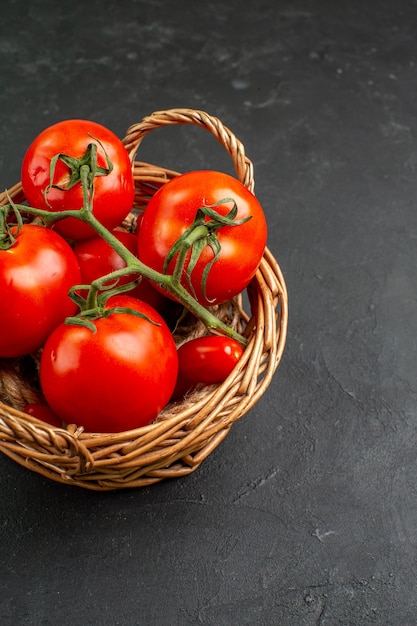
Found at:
[169, 282]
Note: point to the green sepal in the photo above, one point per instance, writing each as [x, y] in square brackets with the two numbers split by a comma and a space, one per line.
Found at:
[77, 298]
[87, 318]
[202, 232]
[114, 289]
[81, 321]
[128, 311]
[7, 237]
[89, 159]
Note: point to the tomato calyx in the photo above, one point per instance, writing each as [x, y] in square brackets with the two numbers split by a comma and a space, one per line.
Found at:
[9, 231]
[80, 170]
[202, 232]
[86, 318]
[95, 305]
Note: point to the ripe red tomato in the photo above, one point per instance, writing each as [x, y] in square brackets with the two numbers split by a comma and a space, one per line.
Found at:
[172, 210]
[117, 378]
[36, 273]
[208, 360]
[43, 412]
[113, 193]
[97, 258]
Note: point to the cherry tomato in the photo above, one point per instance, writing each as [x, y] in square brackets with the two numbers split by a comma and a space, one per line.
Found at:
[172, 210]
[36, 273]
[116, 378]
[113, 193]
[97, 258]
[43, 412]
[208, 360]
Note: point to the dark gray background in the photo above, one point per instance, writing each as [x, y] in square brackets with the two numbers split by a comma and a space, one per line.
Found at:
[307, 513]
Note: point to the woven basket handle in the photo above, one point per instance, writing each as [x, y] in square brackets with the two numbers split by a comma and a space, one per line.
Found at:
[243, 166]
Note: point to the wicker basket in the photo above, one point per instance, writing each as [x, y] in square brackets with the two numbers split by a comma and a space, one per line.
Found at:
[186, 432]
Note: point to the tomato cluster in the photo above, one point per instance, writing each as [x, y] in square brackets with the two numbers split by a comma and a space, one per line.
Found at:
[98, 302]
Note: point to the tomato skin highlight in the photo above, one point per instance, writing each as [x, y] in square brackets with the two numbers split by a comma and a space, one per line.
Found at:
[113, 193]
[97, 258]
[172, 210]
[208, 360]
[36, 273]
[115, 379]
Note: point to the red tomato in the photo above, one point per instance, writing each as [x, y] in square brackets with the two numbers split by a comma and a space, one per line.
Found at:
[172, 210]
[97, 258]
[117, 378]
[36, 273]
[44, 413]
[113, 193]
[208, 360]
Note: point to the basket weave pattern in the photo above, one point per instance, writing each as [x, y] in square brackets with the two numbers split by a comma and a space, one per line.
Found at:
[185, 432]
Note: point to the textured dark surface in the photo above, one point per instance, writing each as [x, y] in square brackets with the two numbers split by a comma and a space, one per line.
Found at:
[307, 513]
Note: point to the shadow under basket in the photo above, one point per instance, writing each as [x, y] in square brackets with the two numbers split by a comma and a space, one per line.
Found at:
[186, 431]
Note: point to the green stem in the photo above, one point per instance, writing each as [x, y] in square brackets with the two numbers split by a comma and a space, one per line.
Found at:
[169, 283]
[91, 302]
[198, 233]
[87, 188]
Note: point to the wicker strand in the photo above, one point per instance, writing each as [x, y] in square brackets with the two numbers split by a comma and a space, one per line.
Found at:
[243, 166]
